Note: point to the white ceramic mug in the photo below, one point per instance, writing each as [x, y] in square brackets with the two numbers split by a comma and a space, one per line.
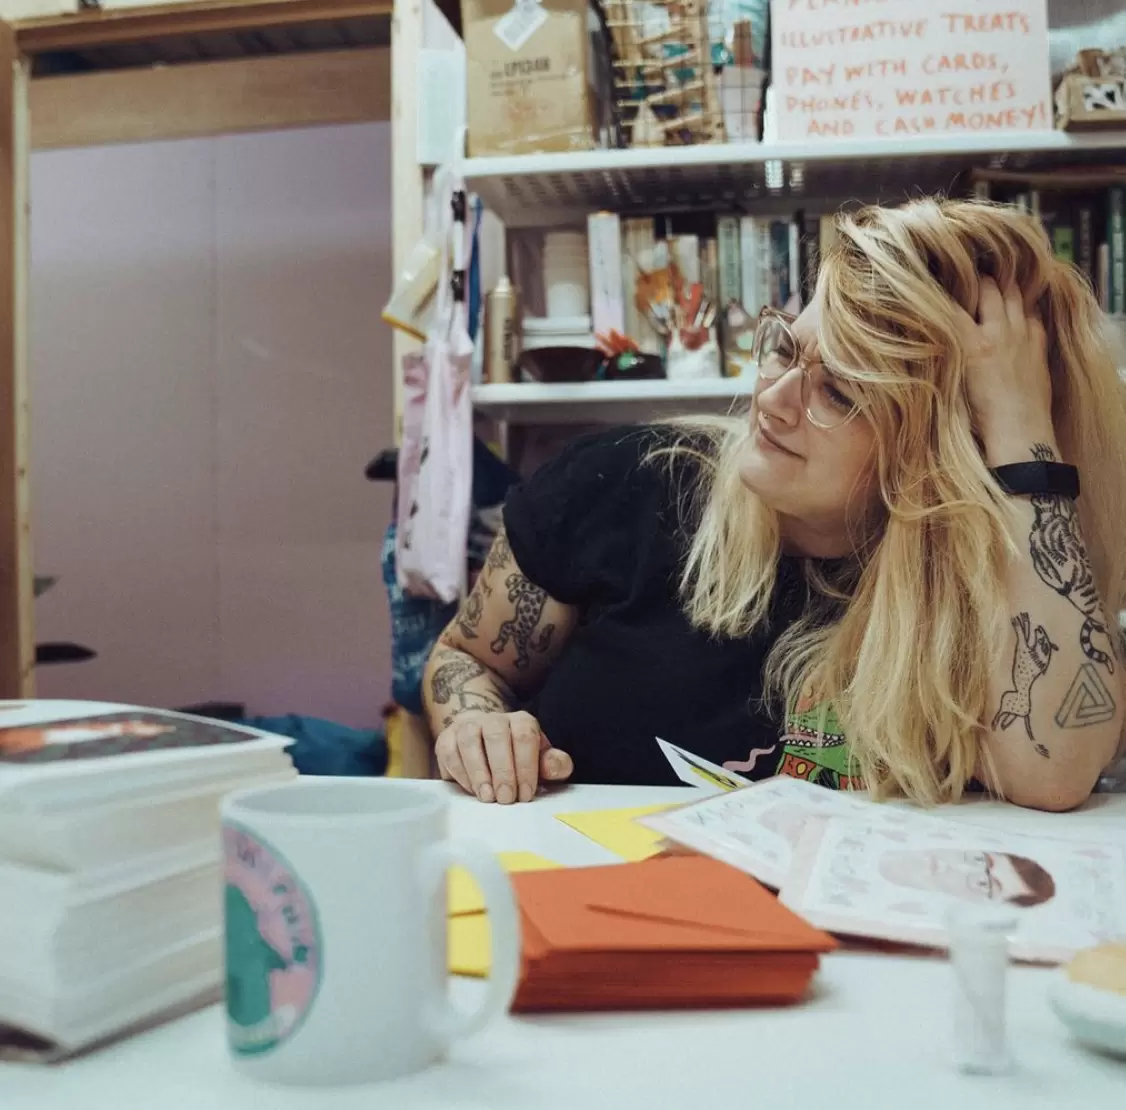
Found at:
[335, 913]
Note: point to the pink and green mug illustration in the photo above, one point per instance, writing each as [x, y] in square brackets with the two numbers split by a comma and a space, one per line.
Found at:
[273, 946]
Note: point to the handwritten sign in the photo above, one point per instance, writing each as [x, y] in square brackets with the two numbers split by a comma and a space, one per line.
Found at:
[901, 68]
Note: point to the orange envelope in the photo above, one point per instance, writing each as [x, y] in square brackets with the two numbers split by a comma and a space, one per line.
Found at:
[673, 902]
[670, 931]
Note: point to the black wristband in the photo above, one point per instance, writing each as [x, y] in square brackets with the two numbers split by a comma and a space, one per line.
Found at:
[1038, 478]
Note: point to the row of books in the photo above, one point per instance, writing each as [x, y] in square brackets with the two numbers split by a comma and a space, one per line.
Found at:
[740, 260]
[1084, 216]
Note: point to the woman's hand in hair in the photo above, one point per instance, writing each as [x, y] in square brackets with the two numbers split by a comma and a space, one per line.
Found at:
[1007, 380]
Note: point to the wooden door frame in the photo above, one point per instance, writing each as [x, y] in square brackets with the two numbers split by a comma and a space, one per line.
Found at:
[19, 44]
[17, 626]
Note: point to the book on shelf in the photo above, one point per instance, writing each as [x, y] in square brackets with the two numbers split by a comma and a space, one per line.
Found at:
[1116, 243]
[639, 257]
[110, 876]
[607, 293]
[730, 272]
[1082, 212]
[709, 269]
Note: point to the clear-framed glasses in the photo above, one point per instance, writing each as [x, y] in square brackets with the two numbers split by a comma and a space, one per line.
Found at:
[776, 352]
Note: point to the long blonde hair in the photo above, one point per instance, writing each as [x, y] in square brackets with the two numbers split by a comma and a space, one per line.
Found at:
[906, 655]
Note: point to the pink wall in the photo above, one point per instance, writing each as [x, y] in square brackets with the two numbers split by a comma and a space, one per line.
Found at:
[209, 377]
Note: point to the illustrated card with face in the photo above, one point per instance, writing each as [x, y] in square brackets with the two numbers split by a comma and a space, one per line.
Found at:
[693, 770]
[757, 829]
[901, 884]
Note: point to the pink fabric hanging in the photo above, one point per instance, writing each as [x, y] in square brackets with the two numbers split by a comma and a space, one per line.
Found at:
[436, 455]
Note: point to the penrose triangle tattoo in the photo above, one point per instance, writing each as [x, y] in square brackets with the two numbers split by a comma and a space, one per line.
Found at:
[1087, 702]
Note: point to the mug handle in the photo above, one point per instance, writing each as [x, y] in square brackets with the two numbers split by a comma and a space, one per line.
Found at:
[453, 1022]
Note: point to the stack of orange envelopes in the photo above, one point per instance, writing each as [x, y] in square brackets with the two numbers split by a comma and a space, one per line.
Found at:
[675, 931]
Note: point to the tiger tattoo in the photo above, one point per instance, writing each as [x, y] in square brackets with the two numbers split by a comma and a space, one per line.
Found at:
[1060, 559]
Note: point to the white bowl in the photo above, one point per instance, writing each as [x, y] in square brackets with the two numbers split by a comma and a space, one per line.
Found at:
[1095, 1017]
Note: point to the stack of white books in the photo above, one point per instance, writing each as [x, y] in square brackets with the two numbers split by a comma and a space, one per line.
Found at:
[110, 864]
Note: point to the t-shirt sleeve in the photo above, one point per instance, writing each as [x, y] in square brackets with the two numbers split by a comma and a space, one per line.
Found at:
[573, 524]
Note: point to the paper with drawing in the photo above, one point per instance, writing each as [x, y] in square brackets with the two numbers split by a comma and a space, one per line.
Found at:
[758, 829]
[873, 879]
[891, 872]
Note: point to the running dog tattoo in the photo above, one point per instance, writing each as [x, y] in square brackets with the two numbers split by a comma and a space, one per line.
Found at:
[1060, 559]
[1031, 657]
[529, 601]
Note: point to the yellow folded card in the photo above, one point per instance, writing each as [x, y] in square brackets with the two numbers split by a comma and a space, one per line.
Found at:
[468, 946]
[616, 829]
[467, 936]
[465, 895]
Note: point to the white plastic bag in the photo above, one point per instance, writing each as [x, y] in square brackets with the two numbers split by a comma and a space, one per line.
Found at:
[436, 457]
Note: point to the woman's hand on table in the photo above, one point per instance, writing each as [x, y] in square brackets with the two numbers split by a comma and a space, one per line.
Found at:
[499, 757]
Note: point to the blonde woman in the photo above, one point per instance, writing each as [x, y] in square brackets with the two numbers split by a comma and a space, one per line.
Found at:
[885, 573]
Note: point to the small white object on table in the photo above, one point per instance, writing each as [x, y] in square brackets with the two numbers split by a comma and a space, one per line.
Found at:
[875, 1033]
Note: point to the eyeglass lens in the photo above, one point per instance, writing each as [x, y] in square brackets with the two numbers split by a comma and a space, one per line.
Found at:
[777, 352]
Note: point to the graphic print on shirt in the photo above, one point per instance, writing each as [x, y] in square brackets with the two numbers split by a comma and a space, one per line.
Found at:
[814, 748]
[274, 954]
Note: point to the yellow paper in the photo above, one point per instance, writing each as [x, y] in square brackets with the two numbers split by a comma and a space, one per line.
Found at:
[465, 895]
[468, 945]
[616, 829]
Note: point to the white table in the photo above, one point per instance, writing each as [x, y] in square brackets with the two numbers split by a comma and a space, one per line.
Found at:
[876, 1033]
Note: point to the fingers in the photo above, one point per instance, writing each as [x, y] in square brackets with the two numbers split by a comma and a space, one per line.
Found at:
[555, 765]
[991, 312]
[499, 757]
[526, 741]
[498, 753]
[450, 766]
[1013, 300]
[471, 748]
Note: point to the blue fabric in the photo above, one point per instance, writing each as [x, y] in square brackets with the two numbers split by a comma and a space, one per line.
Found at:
[415, 625]
[325, 748]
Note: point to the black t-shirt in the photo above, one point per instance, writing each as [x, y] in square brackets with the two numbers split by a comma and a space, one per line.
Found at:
[605, 530]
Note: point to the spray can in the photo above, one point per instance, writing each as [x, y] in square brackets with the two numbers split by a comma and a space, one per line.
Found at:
[502, 332]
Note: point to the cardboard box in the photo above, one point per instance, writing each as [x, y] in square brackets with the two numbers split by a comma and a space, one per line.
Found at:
[538, 76]
[1091, 103]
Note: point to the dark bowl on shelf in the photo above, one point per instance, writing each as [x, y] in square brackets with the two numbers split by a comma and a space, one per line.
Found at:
[560, 364]
[583, 364]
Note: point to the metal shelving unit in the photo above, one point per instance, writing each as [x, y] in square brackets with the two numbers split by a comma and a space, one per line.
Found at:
[536, 190]
[544, 190]
[583, 402]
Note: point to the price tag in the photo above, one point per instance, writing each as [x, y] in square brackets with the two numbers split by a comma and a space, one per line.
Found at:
[520, 24]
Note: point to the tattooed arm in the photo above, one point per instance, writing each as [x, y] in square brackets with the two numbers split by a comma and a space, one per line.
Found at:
[1058, 697]
[1055, 708]
[494, 654]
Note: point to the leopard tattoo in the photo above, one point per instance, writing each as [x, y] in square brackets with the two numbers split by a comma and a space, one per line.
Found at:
[529, 601]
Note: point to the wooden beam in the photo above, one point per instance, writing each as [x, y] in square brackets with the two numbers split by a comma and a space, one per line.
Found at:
[87, 29]
[17, 629]
[211, 98]
[408, 182]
